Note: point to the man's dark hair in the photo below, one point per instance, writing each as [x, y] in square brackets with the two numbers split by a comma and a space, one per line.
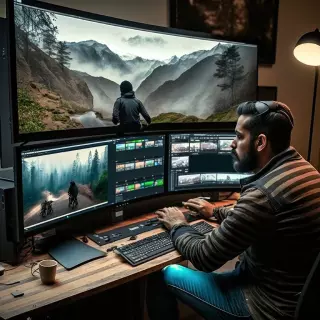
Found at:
[276, 124]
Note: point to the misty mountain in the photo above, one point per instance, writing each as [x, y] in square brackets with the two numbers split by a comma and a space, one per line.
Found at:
[173, 60]
[196, 92]
[141, 68]
[175, 67]
[98, 59]
[39, 68]
[127, 56]
[104, 92]
[202, 54]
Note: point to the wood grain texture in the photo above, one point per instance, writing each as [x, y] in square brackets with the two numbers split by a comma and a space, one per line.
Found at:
[91, 278]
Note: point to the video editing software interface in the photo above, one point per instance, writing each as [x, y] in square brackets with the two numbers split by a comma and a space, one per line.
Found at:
[63, 181]
[139, 167]
[201, 160]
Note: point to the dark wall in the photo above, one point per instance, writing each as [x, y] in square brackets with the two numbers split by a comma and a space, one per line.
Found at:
[6, 152]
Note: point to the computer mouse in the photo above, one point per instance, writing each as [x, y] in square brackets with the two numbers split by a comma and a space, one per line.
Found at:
[84, 239]
[191, 209]
[133, 238]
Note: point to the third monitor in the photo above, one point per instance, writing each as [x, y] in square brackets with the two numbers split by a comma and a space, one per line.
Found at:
[201, 161]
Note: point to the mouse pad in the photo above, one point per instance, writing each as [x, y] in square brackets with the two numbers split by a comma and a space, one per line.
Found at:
[73, 253]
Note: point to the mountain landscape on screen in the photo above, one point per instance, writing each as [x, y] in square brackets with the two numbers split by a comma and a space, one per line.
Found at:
[69, 71]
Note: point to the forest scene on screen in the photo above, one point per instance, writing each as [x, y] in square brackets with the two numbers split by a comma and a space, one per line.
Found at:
[59, 183]
[69, 71]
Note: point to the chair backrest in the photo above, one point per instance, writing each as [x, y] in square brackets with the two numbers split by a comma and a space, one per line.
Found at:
[308, 306]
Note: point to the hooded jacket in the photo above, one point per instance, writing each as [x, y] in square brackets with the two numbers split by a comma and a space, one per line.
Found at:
[127, 110]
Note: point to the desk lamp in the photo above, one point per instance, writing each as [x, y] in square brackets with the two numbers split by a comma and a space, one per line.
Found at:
[307, 51]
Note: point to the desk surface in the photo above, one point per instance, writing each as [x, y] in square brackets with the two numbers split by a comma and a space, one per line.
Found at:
[88, 279]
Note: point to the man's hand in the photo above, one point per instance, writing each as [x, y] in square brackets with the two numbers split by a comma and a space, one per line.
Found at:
[170, 217]
[203, 207]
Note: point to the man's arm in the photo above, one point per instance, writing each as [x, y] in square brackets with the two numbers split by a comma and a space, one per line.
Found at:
[116, 112]
[144, 112]
[220, 213]
[243, 226]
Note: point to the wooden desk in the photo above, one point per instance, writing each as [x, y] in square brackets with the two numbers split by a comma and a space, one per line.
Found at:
[91, 278]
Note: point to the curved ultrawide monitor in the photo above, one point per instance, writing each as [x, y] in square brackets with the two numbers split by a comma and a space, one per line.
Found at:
[201, 161]
[67, 66]
[58, 182]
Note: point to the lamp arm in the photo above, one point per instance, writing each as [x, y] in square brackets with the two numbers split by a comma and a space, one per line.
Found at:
[316, 75]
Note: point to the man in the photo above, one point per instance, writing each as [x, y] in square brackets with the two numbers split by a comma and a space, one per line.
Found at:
[127, 110]
[275, 227]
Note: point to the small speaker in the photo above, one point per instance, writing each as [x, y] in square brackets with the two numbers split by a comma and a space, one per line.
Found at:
[11, 231]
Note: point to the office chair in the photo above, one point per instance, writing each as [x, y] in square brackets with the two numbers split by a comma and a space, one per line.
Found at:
[309, 300]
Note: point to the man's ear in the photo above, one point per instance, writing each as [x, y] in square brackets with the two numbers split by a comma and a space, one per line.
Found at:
[261, 142]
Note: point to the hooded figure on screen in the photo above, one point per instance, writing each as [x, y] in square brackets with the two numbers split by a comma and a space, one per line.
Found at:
[73, 194]
[127, 110]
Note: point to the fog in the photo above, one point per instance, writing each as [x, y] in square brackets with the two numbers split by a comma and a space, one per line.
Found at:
[128, 41]
[63, 160]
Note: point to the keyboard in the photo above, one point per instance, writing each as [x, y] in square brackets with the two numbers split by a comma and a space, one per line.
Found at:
[152, 247]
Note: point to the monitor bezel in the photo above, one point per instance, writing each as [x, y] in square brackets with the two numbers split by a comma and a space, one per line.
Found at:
[56, 143]
[70, 133]
[218, 188]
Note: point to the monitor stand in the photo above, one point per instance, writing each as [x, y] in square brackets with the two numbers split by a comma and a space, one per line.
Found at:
[42, 242]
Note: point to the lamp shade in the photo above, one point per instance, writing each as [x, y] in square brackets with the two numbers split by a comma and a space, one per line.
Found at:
[307, 49]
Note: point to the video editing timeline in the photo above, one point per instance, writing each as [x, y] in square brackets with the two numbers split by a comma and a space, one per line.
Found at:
[139, 167]
[63, 181]
[201, 160]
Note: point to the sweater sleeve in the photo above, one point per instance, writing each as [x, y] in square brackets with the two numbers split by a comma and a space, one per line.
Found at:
[243, 226]
[221, 213]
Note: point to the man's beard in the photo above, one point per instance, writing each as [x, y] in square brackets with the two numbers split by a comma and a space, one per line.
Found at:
[248, 163]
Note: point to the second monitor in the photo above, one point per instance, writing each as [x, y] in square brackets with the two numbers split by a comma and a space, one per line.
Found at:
[201, 161]
[139, 166]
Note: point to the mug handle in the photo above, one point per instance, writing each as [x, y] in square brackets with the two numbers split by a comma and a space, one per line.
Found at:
[33, 271]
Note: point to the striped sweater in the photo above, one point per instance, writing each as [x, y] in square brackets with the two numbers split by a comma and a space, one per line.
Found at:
[274, 227]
